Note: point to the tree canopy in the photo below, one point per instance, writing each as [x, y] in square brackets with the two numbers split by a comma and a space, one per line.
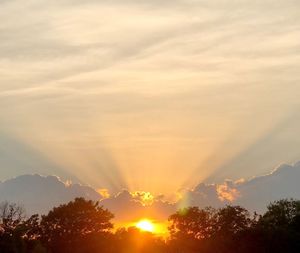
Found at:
[68, 226]
[83, 226]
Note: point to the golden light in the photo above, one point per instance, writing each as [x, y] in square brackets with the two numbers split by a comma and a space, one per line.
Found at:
[146, 225]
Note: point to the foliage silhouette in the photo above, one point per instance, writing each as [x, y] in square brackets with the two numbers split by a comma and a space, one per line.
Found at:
[82, 226]
[67, 227]
[17, 234]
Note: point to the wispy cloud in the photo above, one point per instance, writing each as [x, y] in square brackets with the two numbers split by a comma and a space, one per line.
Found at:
[156, 87]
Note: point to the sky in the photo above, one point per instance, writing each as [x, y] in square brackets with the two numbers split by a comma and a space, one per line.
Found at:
[148, 95]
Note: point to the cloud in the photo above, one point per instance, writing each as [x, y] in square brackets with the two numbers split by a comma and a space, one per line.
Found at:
[129, 207]
[254, 194]
[39, 194]
[227, 191]
[259, 191]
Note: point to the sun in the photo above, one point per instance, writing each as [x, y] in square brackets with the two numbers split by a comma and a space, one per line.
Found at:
[145, 225]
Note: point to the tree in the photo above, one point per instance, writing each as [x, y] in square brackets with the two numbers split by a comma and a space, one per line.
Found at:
[282, 213]
[280, 226]
[11, 215]
[76, 226]
[17, 234]
[231, 220]
[192, 222]
[231, 225]
[190, 228]
[209, 230]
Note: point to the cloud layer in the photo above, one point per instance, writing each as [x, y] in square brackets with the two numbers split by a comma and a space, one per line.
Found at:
[254, 194]
[39, 194]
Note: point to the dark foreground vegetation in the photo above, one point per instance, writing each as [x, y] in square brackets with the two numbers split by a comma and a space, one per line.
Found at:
[85, 227]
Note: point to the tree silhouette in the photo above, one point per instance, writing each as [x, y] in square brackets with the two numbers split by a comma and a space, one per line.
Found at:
[208, 230]
[17, 234]
[135, 241]
[231, 220]
[82, 226]
[282, 213]
[75, 227]
[280, 226]
[193, 223]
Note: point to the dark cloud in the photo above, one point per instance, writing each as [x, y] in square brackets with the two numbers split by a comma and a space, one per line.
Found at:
[259, 191]
[130, 206]
[39, 194]
[254, 194]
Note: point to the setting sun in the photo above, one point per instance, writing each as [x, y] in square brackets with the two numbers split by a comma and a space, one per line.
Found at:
[145, 225]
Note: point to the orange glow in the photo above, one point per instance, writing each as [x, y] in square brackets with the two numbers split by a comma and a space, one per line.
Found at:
[146, 225]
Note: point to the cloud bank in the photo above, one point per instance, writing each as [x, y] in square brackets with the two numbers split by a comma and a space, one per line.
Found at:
[39, 194]
[254, 194]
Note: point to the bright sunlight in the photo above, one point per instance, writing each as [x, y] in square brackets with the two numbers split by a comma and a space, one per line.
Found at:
[146, 225]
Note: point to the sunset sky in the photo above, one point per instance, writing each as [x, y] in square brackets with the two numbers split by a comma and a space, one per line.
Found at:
[148, 95]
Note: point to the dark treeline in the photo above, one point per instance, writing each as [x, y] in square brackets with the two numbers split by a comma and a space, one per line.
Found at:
[83, 226]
